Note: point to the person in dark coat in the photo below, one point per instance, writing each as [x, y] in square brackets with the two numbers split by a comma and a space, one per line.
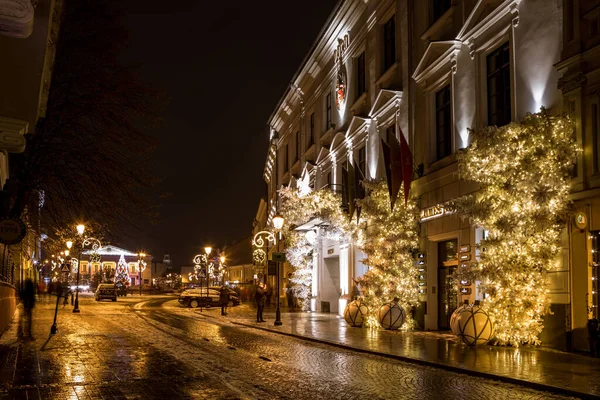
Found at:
[260, 298]
[224, 299]
[28, 299]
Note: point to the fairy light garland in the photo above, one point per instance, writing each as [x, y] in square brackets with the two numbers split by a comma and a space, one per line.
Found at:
[387, 238]
[523, 170]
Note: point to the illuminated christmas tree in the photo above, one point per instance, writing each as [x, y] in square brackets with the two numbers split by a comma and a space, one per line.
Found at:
[390, 237]
[122, 279]
[523, 170]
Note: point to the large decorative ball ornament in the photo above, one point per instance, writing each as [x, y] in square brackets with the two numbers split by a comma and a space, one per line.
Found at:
[474, 326]
[355, 313]
[454, 318]
[391, 316]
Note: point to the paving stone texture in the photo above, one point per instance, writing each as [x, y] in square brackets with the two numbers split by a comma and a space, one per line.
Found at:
[151, 348]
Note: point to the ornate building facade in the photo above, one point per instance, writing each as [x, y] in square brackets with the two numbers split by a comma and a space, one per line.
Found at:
[432, 71]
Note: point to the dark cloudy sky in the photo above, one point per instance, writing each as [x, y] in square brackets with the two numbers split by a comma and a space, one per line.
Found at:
[224, 66]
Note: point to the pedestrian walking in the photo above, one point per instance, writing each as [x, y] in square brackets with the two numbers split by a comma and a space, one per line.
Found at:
[224, 299]
[260, 298]
[28, 299]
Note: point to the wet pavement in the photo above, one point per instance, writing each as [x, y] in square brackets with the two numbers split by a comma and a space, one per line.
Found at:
[536, 367]
[150, 348]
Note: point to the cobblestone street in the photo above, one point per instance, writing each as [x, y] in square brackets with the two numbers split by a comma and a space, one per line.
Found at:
[155, 349]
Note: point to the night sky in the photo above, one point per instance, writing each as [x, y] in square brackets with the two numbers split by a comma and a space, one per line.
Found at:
[224, 69]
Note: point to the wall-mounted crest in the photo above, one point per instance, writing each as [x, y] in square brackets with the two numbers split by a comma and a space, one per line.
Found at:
[341, 81]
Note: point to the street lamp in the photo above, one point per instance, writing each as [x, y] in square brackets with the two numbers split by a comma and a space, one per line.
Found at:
[207, 250]
[278, 221]
[86, 242]
[80, 229]
[141, 267]
[262, 239]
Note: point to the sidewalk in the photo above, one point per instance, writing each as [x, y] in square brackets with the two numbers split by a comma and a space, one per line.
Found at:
[561, 372]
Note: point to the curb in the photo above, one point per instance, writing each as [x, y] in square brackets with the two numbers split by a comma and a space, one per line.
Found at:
[464, 371]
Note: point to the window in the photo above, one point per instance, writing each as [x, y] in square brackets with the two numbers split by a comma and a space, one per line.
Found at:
[286, 160]
[328, 111]
[390, 133]
[311, 131]
[297, 146]
[498, 86]
[443, 123]
[361, 76]
[439, 7]
[389, 43]
[362, 162]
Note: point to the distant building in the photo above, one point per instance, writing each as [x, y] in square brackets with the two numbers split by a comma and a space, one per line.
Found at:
[238, 259]
[109, 258]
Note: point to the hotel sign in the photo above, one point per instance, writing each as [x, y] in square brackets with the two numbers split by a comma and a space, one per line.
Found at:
[436, 211]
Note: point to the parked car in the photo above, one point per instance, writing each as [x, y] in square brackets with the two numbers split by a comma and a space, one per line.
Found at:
[198, 297]
[106, 291]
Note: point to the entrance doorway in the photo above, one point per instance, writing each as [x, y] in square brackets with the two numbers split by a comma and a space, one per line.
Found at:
[447, 284]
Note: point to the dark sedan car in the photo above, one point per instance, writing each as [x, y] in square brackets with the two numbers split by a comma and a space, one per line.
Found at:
[199, 297]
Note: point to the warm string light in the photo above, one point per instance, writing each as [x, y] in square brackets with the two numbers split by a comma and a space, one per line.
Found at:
[387, 238]
[523, 170]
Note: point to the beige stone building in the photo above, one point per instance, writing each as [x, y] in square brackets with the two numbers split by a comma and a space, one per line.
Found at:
[432, 70]
[28, 36]
[579, 66]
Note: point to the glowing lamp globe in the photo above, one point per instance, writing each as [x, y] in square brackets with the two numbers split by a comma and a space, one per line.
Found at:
[355, 313]
[80, 229]
[391, 316]
[278, 222]
[474, 326]
[207, 250]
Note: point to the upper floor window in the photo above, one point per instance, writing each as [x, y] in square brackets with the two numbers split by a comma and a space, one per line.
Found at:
[390, 133]
[362, 162]
[311, 130]
[443, 123]
[286, 160]
[361, 76]
[297, 146]
[498, 86]
[439, 7]
[389, 43]
[328, 111]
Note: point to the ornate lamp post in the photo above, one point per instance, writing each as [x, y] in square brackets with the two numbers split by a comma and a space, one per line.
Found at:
[278, 224]
[141, 267]
[262, 239]
[199, 260]
[95, 244]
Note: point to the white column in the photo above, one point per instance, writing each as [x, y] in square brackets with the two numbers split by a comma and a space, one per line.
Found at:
[344, 278]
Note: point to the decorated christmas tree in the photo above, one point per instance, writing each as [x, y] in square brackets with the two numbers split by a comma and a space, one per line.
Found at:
[122, 274]
[523, 170]
[390, 237]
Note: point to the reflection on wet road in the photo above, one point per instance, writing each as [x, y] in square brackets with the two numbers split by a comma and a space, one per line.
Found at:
[155, 349]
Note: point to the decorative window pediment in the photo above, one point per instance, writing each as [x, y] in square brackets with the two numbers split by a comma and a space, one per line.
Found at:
[386, 101]
[439, 59]
[357, 128]
[338, 140]
[323, 156]
[489, 20]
